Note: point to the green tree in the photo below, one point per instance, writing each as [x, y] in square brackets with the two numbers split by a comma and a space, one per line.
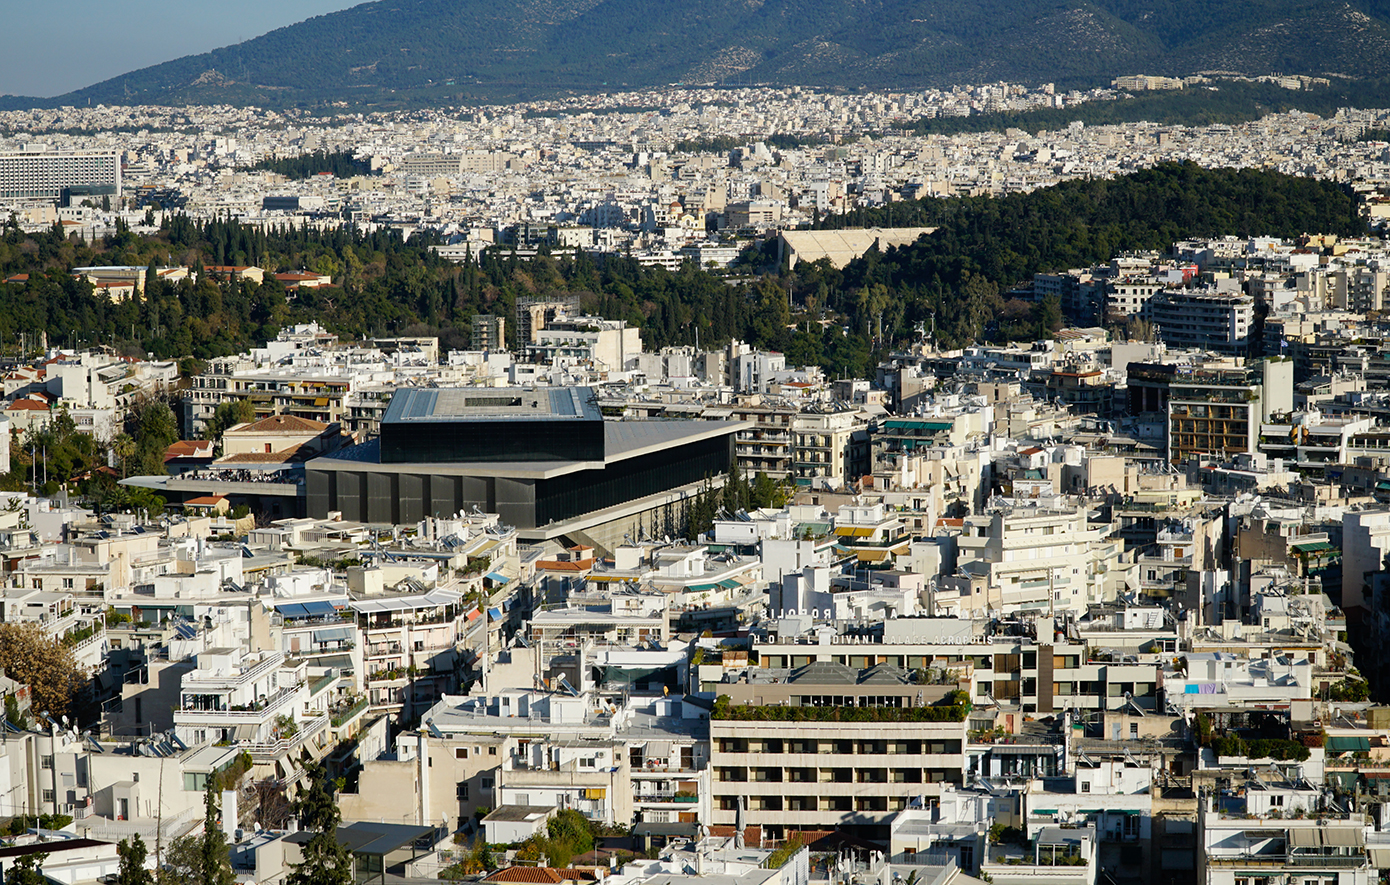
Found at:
[571, 828]
[326, 861]
[27, 870]
[228, 414]
[132, 871]
[215, 858]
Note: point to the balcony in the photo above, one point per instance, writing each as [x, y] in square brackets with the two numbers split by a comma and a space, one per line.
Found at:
[253, 712]
[269, 751]
[344, 713]
[676, 798]
[1293, 861]
[390, 674]
[202, 681]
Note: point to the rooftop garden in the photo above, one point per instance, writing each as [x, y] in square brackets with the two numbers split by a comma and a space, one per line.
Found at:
[954, 707]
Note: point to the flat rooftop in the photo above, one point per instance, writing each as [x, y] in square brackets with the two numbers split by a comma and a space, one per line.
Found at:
[411, 405]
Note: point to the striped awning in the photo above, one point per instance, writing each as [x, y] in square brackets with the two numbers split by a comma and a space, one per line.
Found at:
[853, 531]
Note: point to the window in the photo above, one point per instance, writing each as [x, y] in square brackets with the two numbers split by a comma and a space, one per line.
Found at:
[46, 763]
[1085, 786]
[48, 795]
[1134, 731]
[586, 762]
[492, 751]
[967, 857]
[463, 790]
[460, 752]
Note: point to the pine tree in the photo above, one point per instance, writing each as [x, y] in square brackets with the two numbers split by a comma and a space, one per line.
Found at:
[132, 870]
[215, 855]
[326, 862]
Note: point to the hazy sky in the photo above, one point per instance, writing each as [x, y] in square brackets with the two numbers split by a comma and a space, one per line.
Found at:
[56, 47]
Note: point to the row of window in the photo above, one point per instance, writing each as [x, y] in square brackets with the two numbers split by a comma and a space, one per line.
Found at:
[818, 803]
[838, 747]
[740, 775]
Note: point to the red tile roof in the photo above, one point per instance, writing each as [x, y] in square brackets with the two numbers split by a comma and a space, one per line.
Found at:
[189, 448]
[539, 875]
[556, 565]
[282, 424]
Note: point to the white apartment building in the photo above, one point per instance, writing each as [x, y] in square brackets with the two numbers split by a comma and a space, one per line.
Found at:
[47, 174]
[1204, 320]
[1036, 559]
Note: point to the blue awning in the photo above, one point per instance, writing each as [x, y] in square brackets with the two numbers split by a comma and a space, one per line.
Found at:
[318, 609]
[494, 614]
[495, 577]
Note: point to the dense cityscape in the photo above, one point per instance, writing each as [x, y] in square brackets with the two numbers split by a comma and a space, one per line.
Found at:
[737, 485]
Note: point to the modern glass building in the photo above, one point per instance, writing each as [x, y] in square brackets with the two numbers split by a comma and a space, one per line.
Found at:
[492, 424]
[542, 459]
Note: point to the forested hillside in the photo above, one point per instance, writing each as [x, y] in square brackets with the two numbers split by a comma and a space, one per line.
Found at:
[832, 317]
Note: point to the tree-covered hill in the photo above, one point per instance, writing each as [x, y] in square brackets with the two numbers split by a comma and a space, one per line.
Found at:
[382, 286]
[397, 51]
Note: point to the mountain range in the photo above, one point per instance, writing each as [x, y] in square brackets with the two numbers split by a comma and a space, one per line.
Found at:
[403, 51]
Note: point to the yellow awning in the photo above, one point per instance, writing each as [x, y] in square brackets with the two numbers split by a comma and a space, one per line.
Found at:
[873, 555]
[850, 531]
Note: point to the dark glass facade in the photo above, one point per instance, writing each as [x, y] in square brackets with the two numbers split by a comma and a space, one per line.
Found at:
[405, 494]
[425, 442]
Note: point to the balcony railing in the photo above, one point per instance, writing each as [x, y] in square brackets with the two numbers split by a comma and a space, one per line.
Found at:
[343, 716]
[1314, 861]
[258, 711]
[267, 750]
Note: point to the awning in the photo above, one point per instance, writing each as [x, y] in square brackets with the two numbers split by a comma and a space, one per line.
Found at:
[244, 733]
[1303, 837]
[496, 578]
[874, 555]
[1342, 744]
[729, 584]
[657, 749]
[1312, 547]
[1380, 857]
[494, 614]
[473, 615]
[333, 634]
[1343, 837]
[851, 531]
[318, 609]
